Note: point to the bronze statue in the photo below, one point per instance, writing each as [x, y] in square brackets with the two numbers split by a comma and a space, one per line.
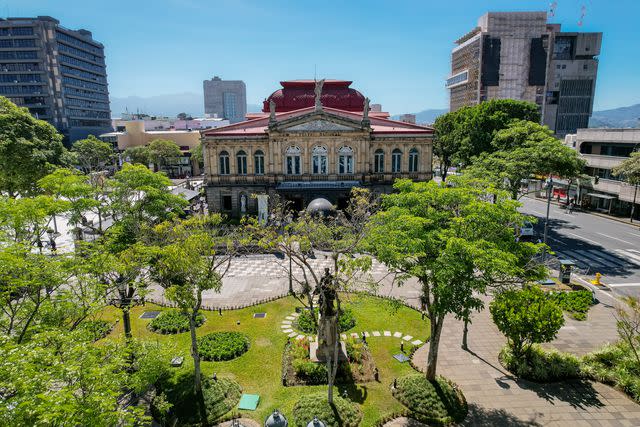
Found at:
[327, 295]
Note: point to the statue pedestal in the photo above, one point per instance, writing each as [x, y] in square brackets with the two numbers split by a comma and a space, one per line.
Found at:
[318, 356]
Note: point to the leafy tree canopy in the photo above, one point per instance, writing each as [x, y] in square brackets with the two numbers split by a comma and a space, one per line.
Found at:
[163, 150]
[92, 154]
[629, 169]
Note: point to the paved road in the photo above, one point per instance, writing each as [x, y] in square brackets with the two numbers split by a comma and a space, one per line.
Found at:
[595, 244]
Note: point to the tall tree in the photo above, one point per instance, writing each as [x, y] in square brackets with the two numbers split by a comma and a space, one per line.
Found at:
[137, 155]
[456, 242]
[191, 257]
[92, 154]
[25, 220]
[629, 170]
[29, 149]
[162, 152]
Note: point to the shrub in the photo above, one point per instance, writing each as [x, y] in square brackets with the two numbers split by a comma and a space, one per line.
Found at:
[173, 322]
[346, 321]
[96, 329]
[310, 372]
[577, 303]
[434, 402]
[222, 345]
[220, 396]
[526, 317]
[346, 413]
[541, 365]
[616, 365]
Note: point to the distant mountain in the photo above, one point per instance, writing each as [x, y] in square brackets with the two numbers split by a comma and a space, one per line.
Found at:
[426, 116]
[623, 117]
[165, 105]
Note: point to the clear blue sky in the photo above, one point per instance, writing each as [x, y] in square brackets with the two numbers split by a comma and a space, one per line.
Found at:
[397, 53]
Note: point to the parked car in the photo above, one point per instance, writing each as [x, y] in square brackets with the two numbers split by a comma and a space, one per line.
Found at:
[526, 230]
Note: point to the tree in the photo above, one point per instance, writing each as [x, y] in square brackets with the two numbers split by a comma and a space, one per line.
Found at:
[162, 152]
[191, 257]
[29, 149]
[137, 155]
[456, 242]
[25, 220]
[92, 154]
[630, 171]
[184, 116]
[525, 149]
[469, 131]
[526, 317]
[628, 323]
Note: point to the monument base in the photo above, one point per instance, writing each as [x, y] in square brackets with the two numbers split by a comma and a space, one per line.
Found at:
[314, 356]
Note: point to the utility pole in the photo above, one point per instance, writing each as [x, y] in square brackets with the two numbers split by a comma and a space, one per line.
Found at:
[633, 205]
[549, 187]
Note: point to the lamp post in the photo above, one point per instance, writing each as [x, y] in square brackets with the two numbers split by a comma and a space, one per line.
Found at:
[315, 422]
[633, 205]
[549, 187]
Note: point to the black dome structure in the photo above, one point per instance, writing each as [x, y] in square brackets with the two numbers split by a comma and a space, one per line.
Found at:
[321, 207]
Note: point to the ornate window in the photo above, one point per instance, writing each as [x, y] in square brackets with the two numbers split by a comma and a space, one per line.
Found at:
[293, 166]
[413, 160]
[319, 160]
[396, 160]
[224, 163]
[258, 162]
[345, 160]
[378, 161]
[241, 158]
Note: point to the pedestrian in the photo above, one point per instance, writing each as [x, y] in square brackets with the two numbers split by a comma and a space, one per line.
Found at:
[215, 377]
[220, 311]
[375, 374]
[364, 338]
[570, 207]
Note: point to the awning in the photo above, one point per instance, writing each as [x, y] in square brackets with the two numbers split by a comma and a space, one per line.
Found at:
[602, 196]
[306, 185]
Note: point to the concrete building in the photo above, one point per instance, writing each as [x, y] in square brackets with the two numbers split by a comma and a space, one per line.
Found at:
[166, 123]
[301, 148]
[518, 55]
[57, 73]
[604, 149]
[225, 99]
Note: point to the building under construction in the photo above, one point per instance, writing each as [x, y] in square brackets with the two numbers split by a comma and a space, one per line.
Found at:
[518, 55]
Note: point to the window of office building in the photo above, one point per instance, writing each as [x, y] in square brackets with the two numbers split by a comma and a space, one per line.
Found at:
[293, 161]
[396, 160]
[319, 160]
[345, 160]
[378, 161]
[224, 163]
[229, 105]
[241, 158]
[413, 160]
[258, 162]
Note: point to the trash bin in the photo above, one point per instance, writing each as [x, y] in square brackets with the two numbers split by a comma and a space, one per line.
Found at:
[566, 266]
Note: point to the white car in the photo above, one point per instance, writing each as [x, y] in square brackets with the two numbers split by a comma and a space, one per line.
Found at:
[526, 230]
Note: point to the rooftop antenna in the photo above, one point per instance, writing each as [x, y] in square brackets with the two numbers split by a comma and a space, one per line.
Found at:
[552, 8]
[583, 12]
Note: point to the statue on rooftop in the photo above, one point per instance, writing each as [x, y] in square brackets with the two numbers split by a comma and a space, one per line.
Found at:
[318, 92]
[365, 112]
[272, 111]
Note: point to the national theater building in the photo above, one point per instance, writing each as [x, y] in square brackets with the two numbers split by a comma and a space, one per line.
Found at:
[303, 146]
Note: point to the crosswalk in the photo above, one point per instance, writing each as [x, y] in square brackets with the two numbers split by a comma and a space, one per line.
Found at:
[594, 260]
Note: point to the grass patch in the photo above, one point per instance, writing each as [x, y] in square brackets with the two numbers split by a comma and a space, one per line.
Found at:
[541, 365]
[173, 322]
[576, 303]
[615, 365]
[220, 397]
[219, 346]
[343, 413]
[437, 402]
[259, 371]
[304, 322]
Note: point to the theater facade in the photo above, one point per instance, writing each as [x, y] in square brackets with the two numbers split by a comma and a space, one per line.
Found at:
[312, 139]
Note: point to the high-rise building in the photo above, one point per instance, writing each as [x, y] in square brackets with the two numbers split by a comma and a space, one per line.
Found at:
[226, 99]
[518, 55]
[57, 73]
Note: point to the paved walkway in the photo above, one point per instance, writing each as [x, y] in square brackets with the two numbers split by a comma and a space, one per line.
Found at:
[495, 397]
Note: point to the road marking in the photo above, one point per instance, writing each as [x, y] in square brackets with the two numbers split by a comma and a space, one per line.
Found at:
[623, 284]
[609, 258]
[537, 213]
[584, 238]
[559, 241]
[634, 258]
[615, 238]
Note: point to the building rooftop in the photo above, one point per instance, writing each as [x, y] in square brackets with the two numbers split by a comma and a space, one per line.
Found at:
[297, 94]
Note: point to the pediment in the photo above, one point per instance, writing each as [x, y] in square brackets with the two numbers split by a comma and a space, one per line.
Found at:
[319, 125]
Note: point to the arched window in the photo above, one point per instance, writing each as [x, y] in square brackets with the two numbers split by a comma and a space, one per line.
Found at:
[378, 161]
[224, 163]
[413, 160]
[345, 160]
[319, 160]
[293, 161]
[396, 160]
[241, 158]
[258, 162]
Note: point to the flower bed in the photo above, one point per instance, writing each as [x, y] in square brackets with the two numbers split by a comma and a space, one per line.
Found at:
[173, 322]
[219, 346]
[304, 322]
[344, 412]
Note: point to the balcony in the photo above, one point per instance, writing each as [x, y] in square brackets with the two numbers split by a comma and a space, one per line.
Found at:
[602, 162]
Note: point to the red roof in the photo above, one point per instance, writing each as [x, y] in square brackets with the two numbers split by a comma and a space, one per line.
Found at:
[260, 125]
[297, 94]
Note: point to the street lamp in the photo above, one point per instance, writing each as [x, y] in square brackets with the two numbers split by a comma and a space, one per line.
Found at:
[315, 422]
[549, 188]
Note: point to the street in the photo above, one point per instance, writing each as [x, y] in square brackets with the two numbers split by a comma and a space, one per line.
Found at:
[595, 244]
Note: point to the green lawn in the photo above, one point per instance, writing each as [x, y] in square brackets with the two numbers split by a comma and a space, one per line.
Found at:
[259, 370]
